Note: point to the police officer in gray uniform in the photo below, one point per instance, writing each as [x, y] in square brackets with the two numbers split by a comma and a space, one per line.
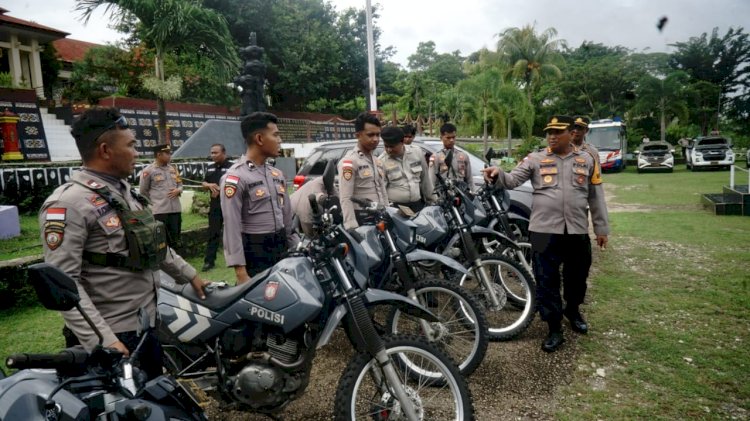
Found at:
[84, 224]
[257, 215]
[161, 184]
[578, 131]
[361, 174]
[407, 178]
[460, 166]
[566, 180]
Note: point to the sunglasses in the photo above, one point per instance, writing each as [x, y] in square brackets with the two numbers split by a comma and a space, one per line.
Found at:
[121, 122]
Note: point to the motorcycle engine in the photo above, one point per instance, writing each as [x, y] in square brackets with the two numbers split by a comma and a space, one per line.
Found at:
[263, 385]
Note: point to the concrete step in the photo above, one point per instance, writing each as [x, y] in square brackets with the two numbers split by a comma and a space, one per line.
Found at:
[62, 146]
[721, 204]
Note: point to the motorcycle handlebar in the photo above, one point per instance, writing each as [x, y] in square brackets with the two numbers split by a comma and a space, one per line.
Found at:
[63, 359]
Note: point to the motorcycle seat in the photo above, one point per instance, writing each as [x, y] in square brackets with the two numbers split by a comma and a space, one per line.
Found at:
[219, 298]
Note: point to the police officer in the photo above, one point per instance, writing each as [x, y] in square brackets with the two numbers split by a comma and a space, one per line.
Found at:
[410, 132]
[301, 203]
[83, 225]
[578, 132]
[361, 173]
[460, 166]
[257, 216]
[211, 182]
[161, 184]
[407, 179]
[566, 180]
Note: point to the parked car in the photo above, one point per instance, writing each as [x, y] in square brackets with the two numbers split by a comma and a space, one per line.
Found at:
[316, 162]
[709, 152]
[655, 156]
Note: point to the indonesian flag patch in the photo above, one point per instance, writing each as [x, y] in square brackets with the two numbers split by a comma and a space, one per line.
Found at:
[56, 214]
[230, 186]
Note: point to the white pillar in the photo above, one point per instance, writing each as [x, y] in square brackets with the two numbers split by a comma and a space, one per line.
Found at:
[37, 82]
[15, 60]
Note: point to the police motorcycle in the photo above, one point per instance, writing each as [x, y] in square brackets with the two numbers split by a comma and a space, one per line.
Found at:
[462, 329]
[252, 346]
[453, 228]
[79, 385]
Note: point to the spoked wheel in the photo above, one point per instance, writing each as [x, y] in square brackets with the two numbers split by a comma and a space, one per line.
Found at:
[515, 291]
[462, 330]
[430, 380]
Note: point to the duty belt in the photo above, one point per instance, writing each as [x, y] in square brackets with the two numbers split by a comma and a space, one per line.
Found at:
[107, 259]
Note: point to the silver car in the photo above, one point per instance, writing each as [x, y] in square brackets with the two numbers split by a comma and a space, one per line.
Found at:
[655, 156]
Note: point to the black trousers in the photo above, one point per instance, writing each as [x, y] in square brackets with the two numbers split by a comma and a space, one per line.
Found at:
[263, 250]
[549, 253]
[215, 231]
[173, 224]
[151, 354]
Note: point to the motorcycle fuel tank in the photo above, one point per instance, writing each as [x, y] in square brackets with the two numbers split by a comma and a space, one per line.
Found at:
[431, 225]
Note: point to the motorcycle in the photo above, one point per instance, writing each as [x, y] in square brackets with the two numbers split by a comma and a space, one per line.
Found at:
[462, 327]
[504, 286]
[77, 385]
[253, 345]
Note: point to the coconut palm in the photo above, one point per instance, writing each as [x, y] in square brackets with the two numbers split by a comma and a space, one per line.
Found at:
[663, 95]
[530, 55]
[166, 25]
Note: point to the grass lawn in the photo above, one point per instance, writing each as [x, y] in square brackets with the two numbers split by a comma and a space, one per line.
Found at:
[29, 243]
[668, 307]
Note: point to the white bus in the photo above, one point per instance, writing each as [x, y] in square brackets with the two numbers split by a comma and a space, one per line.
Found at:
[608, 136]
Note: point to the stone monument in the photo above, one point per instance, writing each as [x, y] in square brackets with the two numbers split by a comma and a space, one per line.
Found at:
[252, 78]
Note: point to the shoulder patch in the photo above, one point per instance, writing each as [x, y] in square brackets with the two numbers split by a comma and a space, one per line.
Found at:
[56, 214]
[230, 190]
[596, 177]
[232, 179]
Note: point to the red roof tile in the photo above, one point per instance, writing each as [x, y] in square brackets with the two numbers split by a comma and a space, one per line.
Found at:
[72, 50]
[20, 22]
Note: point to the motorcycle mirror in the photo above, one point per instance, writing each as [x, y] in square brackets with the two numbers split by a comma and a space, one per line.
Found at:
[489, 155]
[54, 288]
[329, 174]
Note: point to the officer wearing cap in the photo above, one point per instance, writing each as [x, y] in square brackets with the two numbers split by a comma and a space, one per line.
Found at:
[100, 232]
[460, 168]
[257, 215]
[565, 180]
[578, 131]
[161, 184]
[410, 132]
[361, 174]
[407, 179]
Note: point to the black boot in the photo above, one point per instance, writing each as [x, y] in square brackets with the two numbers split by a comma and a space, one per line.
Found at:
[577, 323]
[554, 338]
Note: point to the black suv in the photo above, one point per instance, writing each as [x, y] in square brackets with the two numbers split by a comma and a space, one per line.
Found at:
[316, 162]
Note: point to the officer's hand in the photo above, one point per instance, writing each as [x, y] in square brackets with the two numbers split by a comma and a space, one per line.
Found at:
[120, 347]
[174, 193]
[491, 173]
[199, 285]
[214, 189]
[601, 241]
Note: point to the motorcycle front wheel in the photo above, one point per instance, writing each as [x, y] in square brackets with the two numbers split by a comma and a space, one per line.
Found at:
[462, 329]
[432, 382]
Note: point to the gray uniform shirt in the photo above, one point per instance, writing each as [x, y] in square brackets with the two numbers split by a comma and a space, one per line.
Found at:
[156, 182]
[253, 201]
[407, 178]
[74, 219]
[361, 175]
[460, 166]
[563, 187]
[301, 203]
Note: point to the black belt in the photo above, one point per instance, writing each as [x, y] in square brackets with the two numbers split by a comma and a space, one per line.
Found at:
[269, 235]
[107, 259]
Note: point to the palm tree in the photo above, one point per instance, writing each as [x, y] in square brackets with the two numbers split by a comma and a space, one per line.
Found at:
[666, 94]
[166, 25]
[530, 56]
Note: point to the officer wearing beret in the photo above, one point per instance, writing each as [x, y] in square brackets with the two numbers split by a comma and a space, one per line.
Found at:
[407, 178]
[460, 168]
[161, 184]
[257, 215]
[578, 131]
[565, 180]
[84, 224]
[361, 174]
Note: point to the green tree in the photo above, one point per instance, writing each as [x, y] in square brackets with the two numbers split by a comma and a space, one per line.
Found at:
[107, 70]
[51, 67]
[531, 56]
[664, 97]
[167, 25]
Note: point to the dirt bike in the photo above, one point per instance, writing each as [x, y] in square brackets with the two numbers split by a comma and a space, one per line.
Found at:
[253, 345]
[79, 385]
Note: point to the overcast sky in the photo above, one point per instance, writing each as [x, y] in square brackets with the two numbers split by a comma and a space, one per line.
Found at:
[468, 25]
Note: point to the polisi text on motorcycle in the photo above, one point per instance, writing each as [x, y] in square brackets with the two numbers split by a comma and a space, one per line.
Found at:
[265, 314]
